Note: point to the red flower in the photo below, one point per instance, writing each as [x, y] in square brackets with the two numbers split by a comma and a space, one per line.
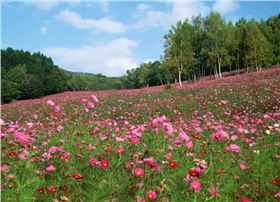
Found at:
[194, 173]
[222, 171]
[245, 200]
[194, 136]
[203, 151]
[64, 188]
[52, 190]
[41, 190]
[77, 176]
[173, 164]
[109, 149]
[275, 182]
[104, 163]
[11, 153]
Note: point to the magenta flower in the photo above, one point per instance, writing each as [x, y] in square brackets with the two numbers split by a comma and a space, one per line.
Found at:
[195, 186]
[151, 194]
[65, 155]
[52, 149]
[57, 108]
[138, 172]
[94, 161]
[90, 105]
[50, 168]
[21, 137]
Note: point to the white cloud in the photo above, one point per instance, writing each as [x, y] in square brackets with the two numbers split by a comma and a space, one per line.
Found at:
[101, 25]
[142, 7]
[179, 11]
[225, 6]
[110, 59]
[44, 29]
[43, 5]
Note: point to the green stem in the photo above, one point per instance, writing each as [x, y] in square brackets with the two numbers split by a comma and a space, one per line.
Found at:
[195, 196]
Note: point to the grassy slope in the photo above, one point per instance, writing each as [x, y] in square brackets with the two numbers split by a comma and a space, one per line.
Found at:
[252, 103]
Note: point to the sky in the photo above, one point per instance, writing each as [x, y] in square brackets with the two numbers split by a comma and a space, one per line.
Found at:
[108, 37]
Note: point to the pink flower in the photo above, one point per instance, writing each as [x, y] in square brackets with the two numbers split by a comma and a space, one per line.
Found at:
[195, 186]
[119, 139]
[84, 100]
[57, 108]
[234, 148]
[53, 149]
[151, 194]
[47, 156]
[50, 102]
[65, 155]
[149, 161]
[90, 105]
[189, 144]
[59, 128]
[21, 137]
[5, 168]
[198, 129]
[167, 128]
[94, 98]
[120, 150]
[245, 200]
[219, 135]
[138, 172]
[50, 168]
[224, 102]
[168, 155]
[234, 137]
[213, 191]
[243, 166]
[183, 136]
[94, 161]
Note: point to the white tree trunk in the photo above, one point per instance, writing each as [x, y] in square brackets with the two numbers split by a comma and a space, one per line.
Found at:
[220, 73]
[180, 81]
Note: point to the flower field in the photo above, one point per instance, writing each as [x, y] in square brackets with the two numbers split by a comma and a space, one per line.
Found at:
[215, 140]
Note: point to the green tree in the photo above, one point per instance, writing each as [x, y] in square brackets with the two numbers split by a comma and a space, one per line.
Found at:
[179, 52]
[257, 48]
[216, 42]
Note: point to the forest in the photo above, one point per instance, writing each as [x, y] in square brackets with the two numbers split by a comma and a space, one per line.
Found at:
[193, 49]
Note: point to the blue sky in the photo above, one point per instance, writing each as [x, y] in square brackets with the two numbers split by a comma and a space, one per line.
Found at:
[108, 37]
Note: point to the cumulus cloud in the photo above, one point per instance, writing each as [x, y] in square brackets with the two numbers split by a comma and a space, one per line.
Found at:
[225, 6]
[110, 59]
[179, 11]
[102, 25]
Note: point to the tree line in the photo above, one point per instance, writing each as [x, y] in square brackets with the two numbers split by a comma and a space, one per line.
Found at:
[25, 76]
[192, 50]
[209, 46]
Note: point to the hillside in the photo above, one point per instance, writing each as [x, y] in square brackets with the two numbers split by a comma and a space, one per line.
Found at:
[211, 140]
